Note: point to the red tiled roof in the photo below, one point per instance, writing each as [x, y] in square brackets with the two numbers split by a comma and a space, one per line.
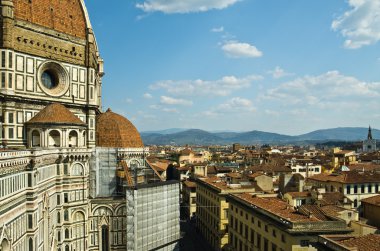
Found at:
[55, 114]
[369, 242]
[277, 207]
[299, 194]
[189, 183]
[374, 200]
[113, 130]
[348, 177]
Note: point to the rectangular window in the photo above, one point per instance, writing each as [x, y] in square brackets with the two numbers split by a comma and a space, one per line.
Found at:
[30, 221]
[10, 62]
[65, 169]
[283, 238]
[65, 197]
[11, 133]
[258, 241]
[58, 199]
[3, 59]
[348, 189]
[10, 118]
[10, 80]
[3, 79]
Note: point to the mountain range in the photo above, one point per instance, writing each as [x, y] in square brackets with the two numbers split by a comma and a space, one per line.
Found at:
[178, 136]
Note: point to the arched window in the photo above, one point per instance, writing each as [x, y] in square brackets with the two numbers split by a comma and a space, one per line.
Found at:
[77, 170]
[67, 248]
[105, 238]
[73, 139]
[36, 139]
[355, 203]
[67, 233]
[66, 215]
[54, 138]
[4, 245]
[59, 236]
[58, 217]
[30, 244]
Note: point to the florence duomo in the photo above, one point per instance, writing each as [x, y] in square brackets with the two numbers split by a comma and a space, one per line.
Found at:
[192, 125]
[67, 169]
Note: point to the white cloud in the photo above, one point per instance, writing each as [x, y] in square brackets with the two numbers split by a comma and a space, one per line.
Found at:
[147, 95]
[278, 72]
[173, 101]
[236, 49]
[181, 6]
[236, 105]
[327, 91]
[221, 87]
[360, 25]
[218, 29]
[170, 110]
[129, 100]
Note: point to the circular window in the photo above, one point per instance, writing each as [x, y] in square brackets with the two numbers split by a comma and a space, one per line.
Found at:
[53, 79]
[49, 79]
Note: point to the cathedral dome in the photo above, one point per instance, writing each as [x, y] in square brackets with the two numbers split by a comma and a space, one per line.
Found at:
[113, 130]
[56, 114]
[65, 16]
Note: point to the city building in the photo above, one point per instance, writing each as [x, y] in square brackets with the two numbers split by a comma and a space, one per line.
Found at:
[371, 210]
[368, 242]
[355, 185]
[189, 197]
[71, 176]
[212, 208]
[262, 223]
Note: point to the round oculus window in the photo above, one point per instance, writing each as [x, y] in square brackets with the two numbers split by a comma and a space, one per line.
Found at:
[53, 79]
[49, 79]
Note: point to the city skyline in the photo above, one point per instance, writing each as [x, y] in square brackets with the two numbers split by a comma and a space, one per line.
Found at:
[287, 67]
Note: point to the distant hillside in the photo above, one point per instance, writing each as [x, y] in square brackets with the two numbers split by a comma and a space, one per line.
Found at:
[340, 133]
[200, 137]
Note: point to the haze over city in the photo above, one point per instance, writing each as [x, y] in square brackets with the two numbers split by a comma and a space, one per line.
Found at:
[282, 66]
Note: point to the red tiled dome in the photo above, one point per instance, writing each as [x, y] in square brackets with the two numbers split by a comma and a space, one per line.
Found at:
[55, 114]
[113, 130]
[66, 16]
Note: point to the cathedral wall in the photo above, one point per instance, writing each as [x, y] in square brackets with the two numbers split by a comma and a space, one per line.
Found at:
[20, 77]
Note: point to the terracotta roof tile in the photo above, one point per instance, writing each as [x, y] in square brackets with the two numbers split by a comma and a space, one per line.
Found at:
[348, 177]
[369, 242]
[113, 130]
[55, 114]
[374, 200]
[278, 207]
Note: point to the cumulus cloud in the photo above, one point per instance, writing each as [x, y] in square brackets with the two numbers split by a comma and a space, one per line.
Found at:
[237, 49]
[278, 72]
[360, 25]
[174, 101]
[236, 105]
[221, 87]
[325, 91]
[177, 6]
[218, 29]
[147, 95]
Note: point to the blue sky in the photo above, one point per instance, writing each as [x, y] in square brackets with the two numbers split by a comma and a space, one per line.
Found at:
[289, 66]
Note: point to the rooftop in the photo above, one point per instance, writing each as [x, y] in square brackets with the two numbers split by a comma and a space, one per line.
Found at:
[56, 114]
[348, 177]
[277, 207]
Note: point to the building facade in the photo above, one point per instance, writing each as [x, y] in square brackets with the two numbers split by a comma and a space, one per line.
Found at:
[212, 209]
[258, 223]
[65, 166]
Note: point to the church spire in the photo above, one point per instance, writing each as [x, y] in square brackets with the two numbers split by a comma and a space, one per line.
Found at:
[369, 133]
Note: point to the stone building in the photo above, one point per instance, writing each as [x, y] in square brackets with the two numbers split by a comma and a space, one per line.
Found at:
[369, 145]
[66, 168]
